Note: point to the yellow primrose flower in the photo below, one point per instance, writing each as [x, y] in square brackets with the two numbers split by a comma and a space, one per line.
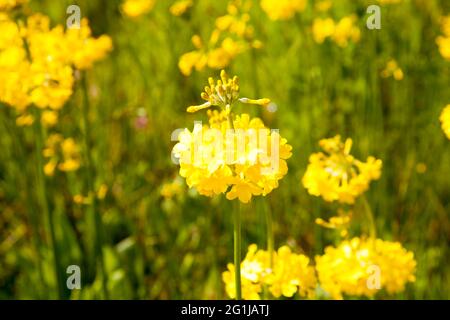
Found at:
[392, 70]
[346, 30]
[136, 8]
[291, 274]
[444, 46]
[322, 29]
[336, 174]
[445, 120]
[41, 60]
[24, 120]
[180, 7]
[63, 154]
[282, 9]
[340, 222]
[361, 267]
[49, 118]
[172, 189]
[6, 5]
[235, 155]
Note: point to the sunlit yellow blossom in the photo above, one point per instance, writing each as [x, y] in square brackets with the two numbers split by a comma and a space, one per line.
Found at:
[63, 154]
[49, 118]
[236, 155]
[444, 46]
[180, 7]
[340, 222]
[171, 189]
[25, 120]
[340, 32]
[84, 49]
[445, 120]
[36, 61]
[291, 274]
[392, 70]
[322, 29]
[136, 8]
[6, 5]
[282, 9]
[346, 30]
[350, 268]
[336, 174]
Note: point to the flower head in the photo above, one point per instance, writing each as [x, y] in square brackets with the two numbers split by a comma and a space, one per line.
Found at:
[348, 268]
[234, 154]
[291, 274]
[336, 175]
[445, 120]
[136, 8]
[282, 9]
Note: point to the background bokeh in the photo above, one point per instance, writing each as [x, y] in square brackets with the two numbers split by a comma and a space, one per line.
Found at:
[164, 241]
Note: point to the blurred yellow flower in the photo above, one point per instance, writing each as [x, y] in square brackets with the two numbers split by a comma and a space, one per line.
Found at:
[282, 9]
[25, 120]
[172, 189]
[336, 174]
[392, 70]
[180, 7]
[322, 29]
[350, 267]
[63, 154]
[6, 5]
[136, 8]
[346, 30]
[445, 120]
[341, 32]
[49, 118]
[291, 274]
[36, 61]
[340, 222]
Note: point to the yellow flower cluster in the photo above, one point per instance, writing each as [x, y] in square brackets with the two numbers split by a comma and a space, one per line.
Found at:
[236, 155]
[180, 7]
[350, 267]
[6, 5]
[336, 175]
[233, 34]
[282, 9]
[443, 41]
[172, 189]
[291, 273]
[63, 154]
[239, 175]
[392, 70]
[445, 120]
[341, 32]
[341, 222]
[36, 61]
[136, 8]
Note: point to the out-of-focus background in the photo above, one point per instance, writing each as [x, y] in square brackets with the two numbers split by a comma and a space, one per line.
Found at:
[384, 88]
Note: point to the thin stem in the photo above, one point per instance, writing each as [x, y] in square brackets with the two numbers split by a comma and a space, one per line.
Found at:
[269, 231]
[43, 198]
[369, 216]
[91, 190]
[237, 249]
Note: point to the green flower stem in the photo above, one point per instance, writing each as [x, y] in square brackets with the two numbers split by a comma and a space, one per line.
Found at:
[270, 237]
[91, 190]
[369, 216]
[43, 199]
[237, 249]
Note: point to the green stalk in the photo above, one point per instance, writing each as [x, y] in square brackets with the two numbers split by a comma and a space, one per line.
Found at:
[237, 250]
[270, 237]
[91, 190]
[369, 216]
[43, 199]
